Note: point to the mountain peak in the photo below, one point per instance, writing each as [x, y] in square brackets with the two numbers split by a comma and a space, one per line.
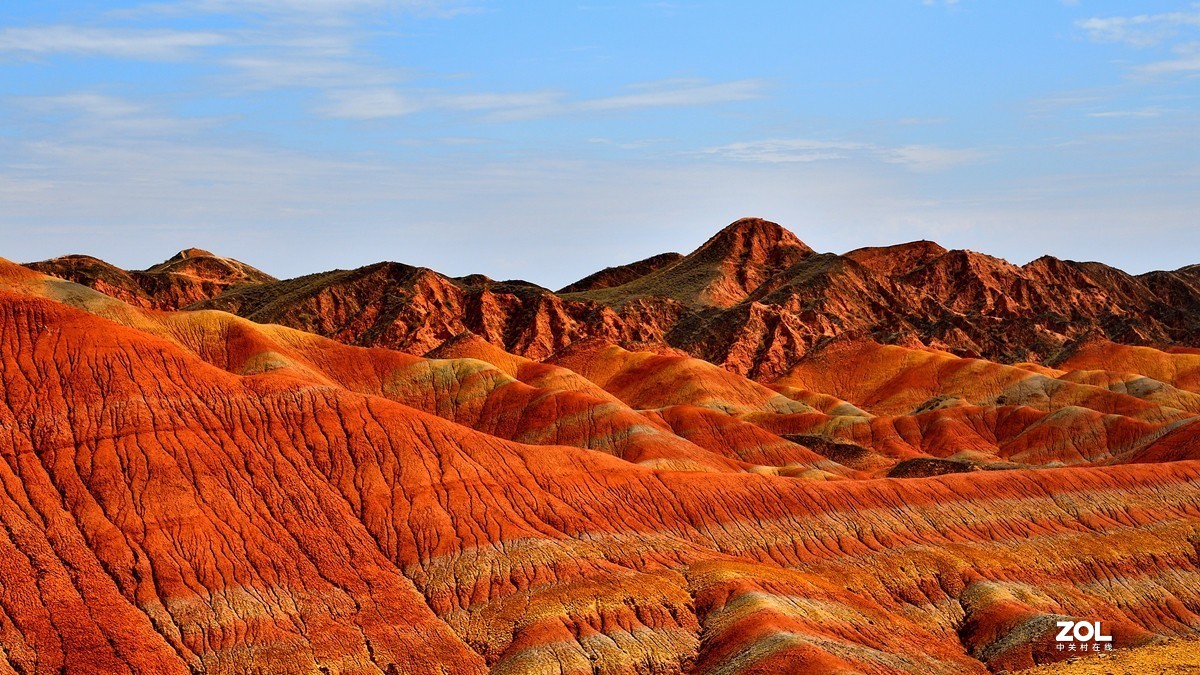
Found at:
[188, 253]
[722, 272]
[206, 265]
[747, 236]
[742, 256]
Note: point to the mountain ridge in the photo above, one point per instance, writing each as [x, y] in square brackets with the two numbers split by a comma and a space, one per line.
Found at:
[752, 298]
[188, 277]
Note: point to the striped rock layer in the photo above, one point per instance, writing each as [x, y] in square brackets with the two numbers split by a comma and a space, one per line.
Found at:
[194, 492]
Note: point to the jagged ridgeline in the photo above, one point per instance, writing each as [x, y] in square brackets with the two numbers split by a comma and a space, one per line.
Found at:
[753, 458]
[753, 298]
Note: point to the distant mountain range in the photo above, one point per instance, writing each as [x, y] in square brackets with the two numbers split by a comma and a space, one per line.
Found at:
[753, 298]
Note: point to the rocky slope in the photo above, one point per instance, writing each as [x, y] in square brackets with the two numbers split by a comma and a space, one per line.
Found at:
[621, 274]
[187, 277]
[753, 298]
[197, 492]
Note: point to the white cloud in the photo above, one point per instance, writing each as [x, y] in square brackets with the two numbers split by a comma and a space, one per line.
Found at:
[290, 67]
[921, 121]
[383, 102]
[1055, 103]
[629, 145]
[497, 101]
[92, 115]
[370, 104]
[675, 93]
[928, 157]
[663, 94]
[784, 151]
[89, 103]
[121, 43]
[1145, 112]
[305, 9]
[1141, 30]
[1187, 59]
[1176, 29]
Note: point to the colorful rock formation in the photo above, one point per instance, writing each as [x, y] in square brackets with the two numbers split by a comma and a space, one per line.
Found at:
[750, 459]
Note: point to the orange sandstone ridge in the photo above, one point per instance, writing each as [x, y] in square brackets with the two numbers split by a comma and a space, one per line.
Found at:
[753, 458]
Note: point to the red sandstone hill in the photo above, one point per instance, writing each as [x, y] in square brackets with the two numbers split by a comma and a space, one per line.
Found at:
[753, 299]
[722, 272]
[557, 483]
[188, 277]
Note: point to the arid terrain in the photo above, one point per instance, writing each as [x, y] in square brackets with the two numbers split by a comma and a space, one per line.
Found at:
[752, 458]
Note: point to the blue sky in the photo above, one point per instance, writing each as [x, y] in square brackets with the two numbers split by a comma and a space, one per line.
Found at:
[545, 140]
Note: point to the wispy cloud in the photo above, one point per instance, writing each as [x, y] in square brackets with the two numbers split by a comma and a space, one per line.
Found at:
[367, 104]
[782, 151]
[1048, 106]
[92, 115]
[1142, 30]
[385, 102]
[1187, 60]
[921, 121]
[318, 45]
[928, 157]
[629, 145]
[1150, 30]
[326, 52]
[307, 9]
[378, 103]
[663, 94]
[120, 43]
[674, 93]
[285, 67]
[89, 103]
[1145, 112]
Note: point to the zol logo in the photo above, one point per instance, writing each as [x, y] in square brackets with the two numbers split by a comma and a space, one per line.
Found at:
[1086, 632]
[1083, 631]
